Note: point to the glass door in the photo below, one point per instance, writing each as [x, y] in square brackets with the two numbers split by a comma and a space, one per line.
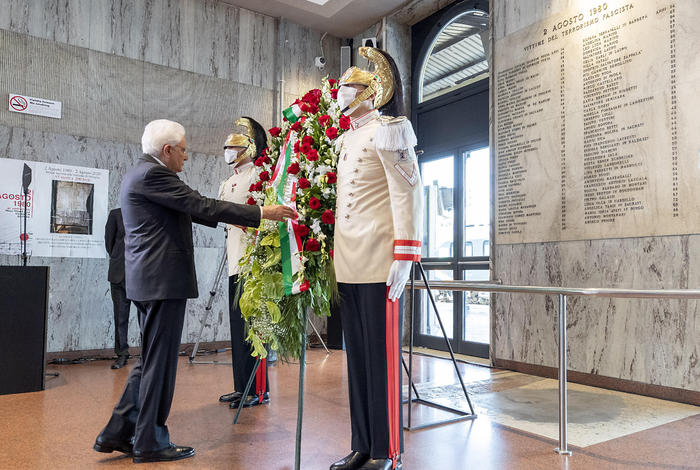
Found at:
[456, 245]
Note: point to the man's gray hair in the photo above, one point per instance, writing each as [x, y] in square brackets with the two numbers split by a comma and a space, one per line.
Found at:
[160, 132]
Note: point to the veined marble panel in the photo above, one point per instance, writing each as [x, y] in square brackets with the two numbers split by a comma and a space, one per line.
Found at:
[256, 50]
[169, 33]
[418, 10]
[120, 26]
[216, 40]
[645, 340]
[64, 21]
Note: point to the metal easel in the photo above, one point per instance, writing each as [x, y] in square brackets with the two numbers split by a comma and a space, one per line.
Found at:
[461, 414]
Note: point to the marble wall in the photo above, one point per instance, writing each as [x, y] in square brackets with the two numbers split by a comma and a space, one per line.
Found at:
[117, 64]
[649, 341]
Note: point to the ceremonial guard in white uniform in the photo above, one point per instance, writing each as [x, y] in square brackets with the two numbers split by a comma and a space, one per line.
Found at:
[377, 239]
[240, 151]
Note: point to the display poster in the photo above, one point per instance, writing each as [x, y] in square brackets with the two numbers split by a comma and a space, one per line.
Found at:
[66, 209]
[597, 111]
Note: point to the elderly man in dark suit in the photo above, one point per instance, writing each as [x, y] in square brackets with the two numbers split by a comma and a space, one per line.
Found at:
[114, 244]
[158, 211]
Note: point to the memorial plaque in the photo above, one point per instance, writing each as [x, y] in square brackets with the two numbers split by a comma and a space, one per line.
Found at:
[597, 118]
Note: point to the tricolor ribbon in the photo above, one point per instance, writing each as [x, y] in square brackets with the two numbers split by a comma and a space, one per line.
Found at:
[292, 113]
[290, 243]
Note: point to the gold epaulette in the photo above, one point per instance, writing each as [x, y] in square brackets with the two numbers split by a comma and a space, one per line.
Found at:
[391, 120]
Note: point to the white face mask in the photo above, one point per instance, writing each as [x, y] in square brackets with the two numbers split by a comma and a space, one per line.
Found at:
[347, 95]
[230, 155]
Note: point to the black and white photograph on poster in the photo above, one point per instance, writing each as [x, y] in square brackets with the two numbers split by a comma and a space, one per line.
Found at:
[66, 209]
[71, 207]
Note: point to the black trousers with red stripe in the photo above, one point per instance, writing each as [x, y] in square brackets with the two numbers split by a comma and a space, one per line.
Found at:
[243, 362]
[375, 412]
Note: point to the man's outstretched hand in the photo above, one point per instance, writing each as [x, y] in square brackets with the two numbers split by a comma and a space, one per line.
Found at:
[278, 213]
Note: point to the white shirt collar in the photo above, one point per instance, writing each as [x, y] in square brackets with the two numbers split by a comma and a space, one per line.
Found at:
[356, 123]
[158, 160]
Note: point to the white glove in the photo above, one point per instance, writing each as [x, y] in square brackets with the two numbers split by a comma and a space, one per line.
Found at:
[399, 274]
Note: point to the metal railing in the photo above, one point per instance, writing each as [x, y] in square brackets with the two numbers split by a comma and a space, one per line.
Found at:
[563, 293]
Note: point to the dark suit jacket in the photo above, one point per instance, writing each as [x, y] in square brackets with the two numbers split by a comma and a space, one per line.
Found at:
[114, 243]
[158, 210]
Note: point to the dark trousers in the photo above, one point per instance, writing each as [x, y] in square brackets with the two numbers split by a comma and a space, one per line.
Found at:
[122, 306]
[363, 310]
[243, 362]
[145, 404]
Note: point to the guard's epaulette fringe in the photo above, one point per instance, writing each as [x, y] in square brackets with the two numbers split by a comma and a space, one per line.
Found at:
[395, 133]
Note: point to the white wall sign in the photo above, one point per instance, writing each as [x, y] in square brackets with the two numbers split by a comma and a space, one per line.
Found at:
[36, 106]
[66, 209]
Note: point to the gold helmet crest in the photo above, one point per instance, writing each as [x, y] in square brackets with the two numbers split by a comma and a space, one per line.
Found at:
[379, 82]
[243, 140]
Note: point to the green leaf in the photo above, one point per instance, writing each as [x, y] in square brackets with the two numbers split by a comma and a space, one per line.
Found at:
[274, 311]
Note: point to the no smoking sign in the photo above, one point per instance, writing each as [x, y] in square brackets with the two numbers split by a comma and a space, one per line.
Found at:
[18, 103]
[37, 106]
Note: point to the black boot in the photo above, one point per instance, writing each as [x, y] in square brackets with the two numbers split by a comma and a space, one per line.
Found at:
[380, 464]
[121, 361]
[251, 400]
[229, 397]
[352, 461]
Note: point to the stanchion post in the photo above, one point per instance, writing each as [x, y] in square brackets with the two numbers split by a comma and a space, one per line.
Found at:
[563, 447]
[300, 405]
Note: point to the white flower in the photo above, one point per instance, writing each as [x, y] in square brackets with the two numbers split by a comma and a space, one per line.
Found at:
[327, 192]
[316, 226]
[321, 236]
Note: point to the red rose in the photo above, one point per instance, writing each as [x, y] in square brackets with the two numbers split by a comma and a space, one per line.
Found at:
[275, 131]
[332, 133]
[251, 188]
[302, 119]
[330, 252]
[293, 169]
[324, 120]
[344, 123]
[258, 186]
[312, 245]
[313, 109]
[334, 93]
[332, 81]
[266, 150]
[314, 203]
[304, 286]
[251, 201]
[258, 161]
[308, 140]
[296, 147]
[305, 107]
[328, 217]
[264, 176]
[312, 156]
[331, 177]
[305, 149]
[301, 231]
[296, 127]
[304, 183]
[266, 159]
[313, 97]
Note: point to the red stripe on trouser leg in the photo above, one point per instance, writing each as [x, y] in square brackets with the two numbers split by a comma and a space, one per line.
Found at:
[392, 372]
[260, 379]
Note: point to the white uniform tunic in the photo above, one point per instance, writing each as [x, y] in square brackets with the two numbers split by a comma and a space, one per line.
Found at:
[235, 189]
[379, 202]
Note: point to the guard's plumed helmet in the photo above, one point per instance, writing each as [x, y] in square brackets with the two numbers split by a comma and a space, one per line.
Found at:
[254, 138]
[383, 81]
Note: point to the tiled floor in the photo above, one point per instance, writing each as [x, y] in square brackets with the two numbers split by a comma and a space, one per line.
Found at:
[55, 429]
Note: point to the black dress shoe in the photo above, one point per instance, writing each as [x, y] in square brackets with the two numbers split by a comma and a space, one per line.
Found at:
[352, 461]
[251, 400]
[120, 362]
[379, 464]
[166, 455]
[231, 397]
[110, 445]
